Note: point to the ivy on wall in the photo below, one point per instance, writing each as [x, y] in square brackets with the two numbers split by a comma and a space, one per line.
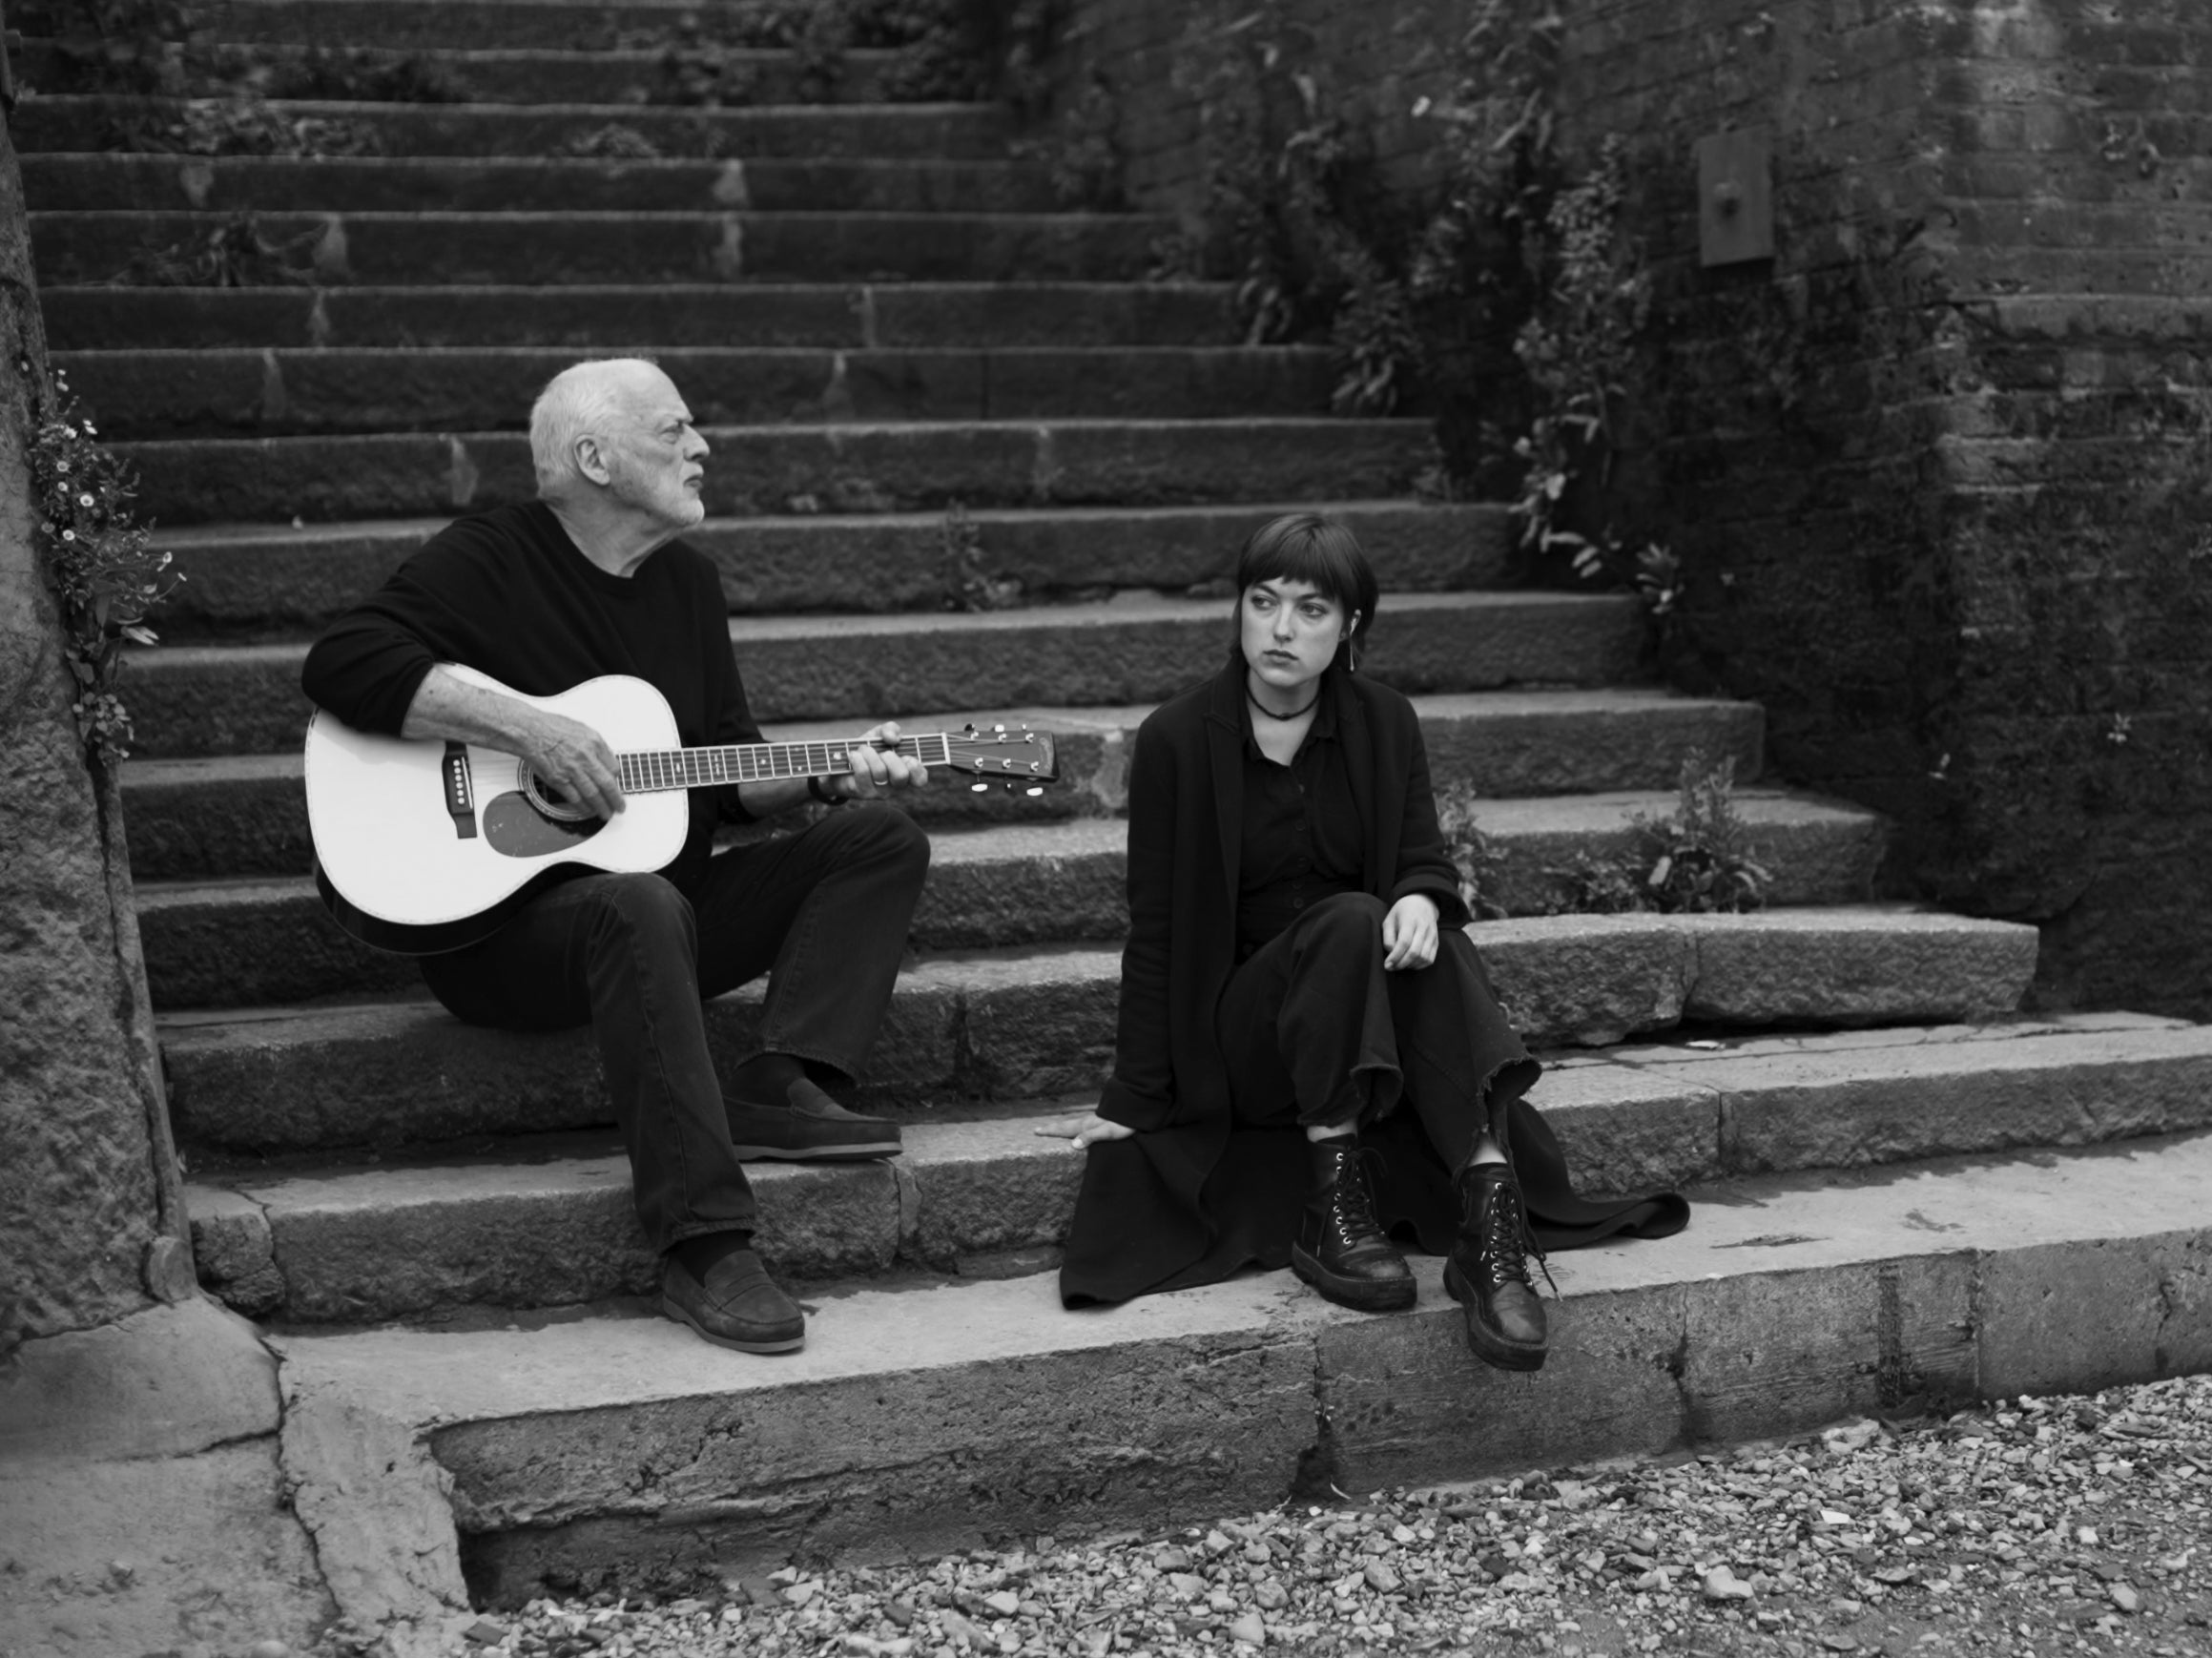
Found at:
[1506, 298]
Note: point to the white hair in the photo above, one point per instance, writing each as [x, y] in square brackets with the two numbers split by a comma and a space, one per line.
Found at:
[583, 400]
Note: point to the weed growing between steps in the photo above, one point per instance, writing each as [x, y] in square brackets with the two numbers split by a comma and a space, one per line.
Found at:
[105, 569]
[234, 255]
[939, 50]
[1700, 858]
[2030, 1527]
[960, 552]
[163, 50]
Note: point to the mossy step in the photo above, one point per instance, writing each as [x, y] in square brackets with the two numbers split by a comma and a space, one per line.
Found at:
[805, 469]
[1016, 1024]
[437, 26]
[600, 319]
[291, 184]
[732, 245]
[212, 699]
[245, 814]
[673, 74]
[925, 1417]
[246, 582]
[952, 132]
[246, 942]
[543, 1223]
[157, 394]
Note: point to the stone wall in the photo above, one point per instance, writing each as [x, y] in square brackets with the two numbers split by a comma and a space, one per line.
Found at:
[1938, 470]
[91, 1218]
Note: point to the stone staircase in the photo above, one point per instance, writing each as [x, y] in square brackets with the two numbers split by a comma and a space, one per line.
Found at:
[914, 364]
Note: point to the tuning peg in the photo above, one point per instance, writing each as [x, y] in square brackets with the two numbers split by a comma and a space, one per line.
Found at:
[978, 788]
[1034, 790]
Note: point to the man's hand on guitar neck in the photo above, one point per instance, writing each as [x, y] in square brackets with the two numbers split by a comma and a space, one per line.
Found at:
[566, 753]
[877, 767]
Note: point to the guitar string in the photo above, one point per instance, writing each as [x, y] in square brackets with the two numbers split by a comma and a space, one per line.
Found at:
[660, 770]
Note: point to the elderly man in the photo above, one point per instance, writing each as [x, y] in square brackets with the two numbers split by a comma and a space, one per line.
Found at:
[587, 580]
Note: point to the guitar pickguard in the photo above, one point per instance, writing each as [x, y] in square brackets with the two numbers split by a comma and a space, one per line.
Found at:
[517, 829]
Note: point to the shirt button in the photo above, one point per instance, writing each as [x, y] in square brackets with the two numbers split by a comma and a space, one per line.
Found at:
[1297, 904]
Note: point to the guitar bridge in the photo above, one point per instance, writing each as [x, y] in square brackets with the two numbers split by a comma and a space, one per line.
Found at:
[460, 790]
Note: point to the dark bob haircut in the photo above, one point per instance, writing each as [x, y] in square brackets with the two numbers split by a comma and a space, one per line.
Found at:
[1318, 550]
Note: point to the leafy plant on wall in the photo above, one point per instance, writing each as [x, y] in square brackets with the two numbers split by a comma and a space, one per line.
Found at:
[102, 563]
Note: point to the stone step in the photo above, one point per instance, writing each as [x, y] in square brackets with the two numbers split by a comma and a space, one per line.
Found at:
[245, 814]
[502, 184]
[547, 1223]
[441, 27]
[1021, 1025]
[673, 74]
[927, 1416]
[245, 582]
[246, 942]
[434, 249]
[140, 393]
[859, 316]
[951, 131]
[214, 699]
[804, 469]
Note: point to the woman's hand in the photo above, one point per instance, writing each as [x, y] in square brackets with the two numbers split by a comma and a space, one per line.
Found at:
[1409, 932]
[1087, 1128]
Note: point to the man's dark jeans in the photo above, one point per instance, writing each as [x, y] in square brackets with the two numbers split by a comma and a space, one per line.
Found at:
[824, 913]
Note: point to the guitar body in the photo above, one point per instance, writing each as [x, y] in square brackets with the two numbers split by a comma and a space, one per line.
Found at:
[423, 846]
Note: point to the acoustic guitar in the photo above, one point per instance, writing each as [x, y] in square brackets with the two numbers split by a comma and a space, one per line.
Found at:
[423, 846]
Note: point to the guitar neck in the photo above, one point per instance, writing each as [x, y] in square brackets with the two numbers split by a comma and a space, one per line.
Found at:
[653, 771]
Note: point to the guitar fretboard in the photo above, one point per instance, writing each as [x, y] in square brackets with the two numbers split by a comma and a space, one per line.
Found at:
[651, 770]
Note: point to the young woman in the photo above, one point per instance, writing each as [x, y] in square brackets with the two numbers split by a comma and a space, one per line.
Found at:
[1308, 1050]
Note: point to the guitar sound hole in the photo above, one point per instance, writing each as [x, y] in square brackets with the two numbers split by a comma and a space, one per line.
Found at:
[516, 828]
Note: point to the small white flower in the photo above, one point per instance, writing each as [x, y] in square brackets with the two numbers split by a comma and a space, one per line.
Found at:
[84, 500]
[68, 535]
[90, 430]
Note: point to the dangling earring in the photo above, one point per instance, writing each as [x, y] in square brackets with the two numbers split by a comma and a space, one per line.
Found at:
[1350, 652]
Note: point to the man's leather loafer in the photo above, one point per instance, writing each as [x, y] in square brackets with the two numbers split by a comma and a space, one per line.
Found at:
[738, 1306]
[1488, 1270]
[812, 1127]
[1341, 1250]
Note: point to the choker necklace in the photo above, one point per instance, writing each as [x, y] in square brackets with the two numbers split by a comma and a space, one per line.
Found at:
[1295, 714]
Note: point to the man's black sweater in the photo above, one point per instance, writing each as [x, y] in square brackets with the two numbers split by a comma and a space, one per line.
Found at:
[507, 593]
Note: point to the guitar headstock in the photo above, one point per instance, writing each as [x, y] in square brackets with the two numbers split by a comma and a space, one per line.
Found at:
[1009, 754]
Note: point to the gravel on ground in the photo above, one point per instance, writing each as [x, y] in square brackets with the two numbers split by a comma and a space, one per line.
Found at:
[2035, 1527]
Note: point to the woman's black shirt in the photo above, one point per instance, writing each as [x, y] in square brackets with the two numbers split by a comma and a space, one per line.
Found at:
[1302, 839]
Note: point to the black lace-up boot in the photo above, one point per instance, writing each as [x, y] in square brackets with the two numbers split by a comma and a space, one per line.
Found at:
[1341, 1250]
[1488, 1270]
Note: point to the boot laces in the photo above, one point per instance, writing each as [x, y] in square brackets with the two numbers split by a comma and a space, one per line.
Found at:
[1352, 1200]
[1508, 1239]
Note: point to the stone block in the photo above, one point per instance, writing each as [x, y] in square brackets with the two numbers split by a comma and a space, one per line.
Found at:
[173, 1552]
[171, 1381]
[230, 1234]
[1861, 966]
[359, 1248]
[1040, 1025]
[1011, 1414]
[2074, 1318]
[1405, 1402]
[1774, 1353]
[1791, 1104]
[1591, 980]
[1626, 1130]
[985, 1189]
